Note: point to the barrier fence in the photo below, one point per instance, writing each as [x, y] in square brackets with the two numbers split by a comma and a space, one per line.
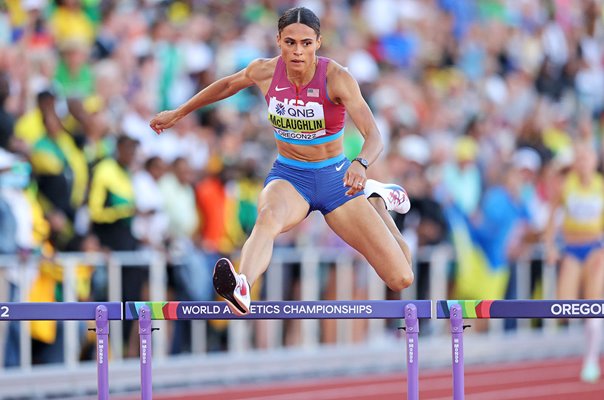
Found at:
[410, 311]
[348, 274]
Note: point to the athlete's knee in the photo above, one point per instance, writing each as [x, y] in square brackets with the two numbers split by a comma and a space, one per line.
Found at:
[401, 281]
[267, 218]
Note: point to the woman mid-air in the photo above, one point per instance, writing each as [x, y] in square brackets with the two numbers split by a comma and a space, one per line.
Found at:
[307, 98]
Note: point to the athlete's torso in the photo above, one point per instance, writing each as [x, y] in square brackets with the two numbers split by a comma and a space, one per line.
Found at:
[307, 124]
[583, 206]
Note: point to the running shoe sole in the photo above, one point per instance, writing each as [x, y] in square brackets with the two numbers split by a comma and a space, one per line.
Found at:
[225, 283]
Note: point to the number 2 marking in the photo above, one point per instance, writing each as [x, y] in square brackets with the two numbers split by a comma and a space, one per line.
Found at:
[4, 312]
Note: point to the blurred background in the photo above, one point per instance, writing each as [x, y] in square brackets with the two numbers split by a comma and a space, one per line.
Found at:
[479, 103]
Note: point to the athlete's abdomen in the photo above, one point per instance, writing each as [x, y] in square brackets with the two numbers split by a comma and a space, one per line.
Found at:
[313, 153]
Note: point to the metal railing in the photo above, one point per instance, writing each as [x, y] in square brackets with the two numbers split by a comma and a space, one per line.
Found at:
[350, 272]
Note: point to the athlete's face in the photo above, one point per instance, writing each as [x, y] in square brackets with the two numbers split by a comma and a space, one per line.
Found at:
[586, 160]
[299, 44]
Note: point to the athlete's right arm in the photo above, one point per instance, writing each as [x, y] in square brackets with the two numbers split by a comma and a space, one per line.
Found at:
[221, 89]
[549, 233]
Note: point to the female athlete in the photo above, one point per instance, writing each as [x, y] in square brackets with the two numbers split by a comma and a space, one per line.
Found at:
[307, 98]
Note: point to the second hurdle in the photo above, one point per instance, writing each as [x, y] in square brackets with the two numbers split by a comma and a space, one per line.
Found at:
[410, 311]
[457, 310]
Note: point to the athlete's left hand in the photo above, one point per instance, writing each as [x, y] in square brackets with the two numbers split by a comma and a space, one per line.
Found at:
[355, 178]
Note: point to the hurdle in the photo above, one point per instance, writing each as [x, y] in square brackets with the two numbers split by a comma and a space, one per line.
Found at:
[102, 313]
[457, 310]
[410, 311]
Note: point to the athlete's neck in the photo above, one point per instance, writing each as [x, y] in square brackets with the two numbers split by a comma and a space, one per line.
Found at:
[302, 78]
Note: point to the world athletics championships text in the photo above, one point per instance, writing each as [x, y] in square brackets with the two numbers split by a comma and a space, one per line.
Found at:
[283, 309]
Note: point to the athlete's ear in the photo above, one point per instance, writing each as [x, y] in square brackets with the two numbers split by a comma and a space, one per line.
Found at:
[319, 42]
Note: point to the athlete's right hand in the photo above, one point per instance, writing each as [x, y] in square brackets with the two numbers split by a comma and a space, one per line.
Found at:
[164, 120]
[355, 178]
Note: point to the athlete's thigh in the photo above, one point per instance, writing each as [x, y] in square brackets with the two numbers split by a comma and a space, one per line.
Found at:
[569, 278]
[284, 202]
[360, 225]
[593, 275]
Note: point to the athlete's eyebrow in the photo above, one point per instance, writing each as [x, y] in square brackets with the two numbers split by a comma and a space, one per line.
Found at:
[293, 40]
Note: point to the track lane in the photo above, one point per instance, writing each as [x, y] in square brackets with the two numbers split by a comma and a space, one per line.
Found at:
[551, 379]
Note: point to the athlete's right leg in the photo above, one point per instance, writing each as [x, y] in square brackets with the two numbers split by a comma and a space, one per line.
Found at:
[280, 208]
[593, 285]
[569, 278]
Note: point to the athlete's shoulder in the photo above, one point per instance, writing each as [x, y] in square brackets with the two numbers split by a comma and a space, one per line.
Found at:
[261, 68]
[337, 71]
[333, 65]
[340, 82]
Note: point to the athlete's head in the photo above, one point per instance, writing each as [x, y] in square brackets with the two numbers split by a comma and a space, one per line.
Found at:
[586, 158]
[299, 37]
[300, 15]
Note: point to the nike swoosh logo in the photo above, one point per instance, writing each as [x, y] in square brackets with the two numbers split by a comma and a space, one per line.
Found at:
[278, 89]
[339, 167]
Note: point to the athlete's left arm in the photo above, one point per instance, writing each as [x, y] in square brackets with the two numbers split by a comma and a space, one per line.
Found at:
[344, 89]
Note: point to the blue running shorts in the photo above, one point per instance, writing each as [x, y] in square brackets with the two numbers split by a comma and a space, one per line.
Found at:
[320, 183]
[582, 251]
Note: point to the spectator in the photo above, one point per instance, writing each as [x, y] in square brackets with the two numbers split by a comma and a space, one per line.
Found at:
[73, 76]
[484, 244]
[179, 199]
[150, 225]
[112, 208]
[7, 120]
[425, 223]
[111, 200]
[461, 178]
[61, 172]
[190, 274]
[69, 21]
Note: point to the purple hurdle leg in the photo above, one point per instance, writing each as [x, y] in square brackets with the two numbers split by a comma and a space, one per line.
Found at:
[102, 362]
[412, 330]
[457, 347]
[144, 331]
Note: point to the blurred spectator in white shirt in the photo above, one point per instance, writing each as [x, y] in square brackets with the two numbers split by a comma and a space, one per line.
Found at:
[150, 224]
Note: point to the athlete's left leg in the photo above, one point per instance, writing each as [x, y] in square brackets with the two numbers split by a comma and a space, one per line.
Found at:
[386, 197]
[380, 207]
[362, 227]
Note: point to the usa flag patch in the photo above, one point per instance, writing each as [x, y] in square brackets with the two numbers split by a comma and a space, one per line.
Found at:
[312, 92]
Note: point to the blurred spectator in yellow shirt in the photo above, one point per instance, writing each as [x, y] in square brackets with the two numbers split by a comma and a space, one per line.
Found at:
[69, 21]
